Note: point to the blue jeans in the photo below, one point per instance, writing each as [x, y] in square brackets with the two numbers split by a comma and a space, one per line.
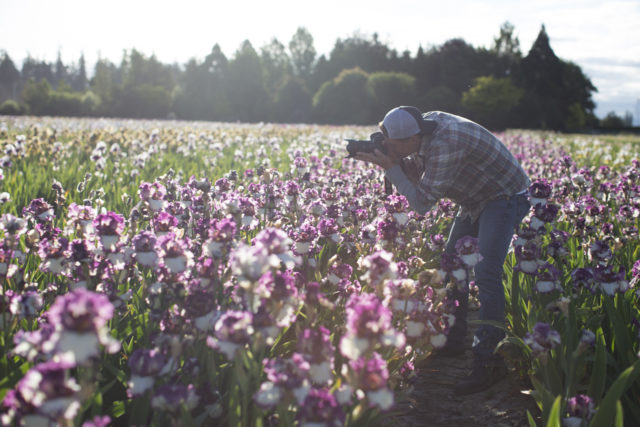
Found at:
[494, 229]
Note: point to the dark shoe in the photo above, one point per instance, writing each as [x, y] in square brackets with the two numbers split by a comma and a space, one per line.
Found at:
[481, 378]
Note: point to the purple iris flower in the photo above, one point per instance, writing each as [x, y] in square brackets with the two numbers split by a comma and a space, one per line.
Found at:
[26, 305]
[547, 278]
[277, 243]
[80, 217]
[285, 377]
[371, 376]
[39, 211]
[378, 267]
[316, 347]
[54, 254]
[540, 191]
[610, 281]
[396, 203]
[174, 254]
[291, 189]
[452, 265]
[468, 250]
[581, 409]
[173, 397]
[583, 278]
[320, 408]
[12, 225]
[600, 252]
[80, 318]
[368, 326]
[327, 227]
[109, 227]
[232, 331]
[635, 273]
[145, 366]
[437, 242]
[46, 395]
[98, 421]
[542, 339]
[222, 185]
[527, 256]
[163, 223]
[338, 272]
[144, 246]
[543, 214]
[153, 194]
[388, 230]
[34, 345]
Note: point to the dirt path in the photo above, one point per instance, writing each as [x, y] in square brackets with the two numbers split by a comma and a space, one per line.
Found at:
[432, 402]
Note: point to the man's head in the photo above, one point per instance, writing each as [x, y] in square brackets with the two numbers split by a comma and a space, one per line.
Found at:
[402, 122]
[403, 128]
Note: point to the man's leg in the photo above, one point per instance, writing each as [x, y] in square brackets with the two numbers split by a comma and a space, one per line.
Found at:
[455, 339]
[497, 225]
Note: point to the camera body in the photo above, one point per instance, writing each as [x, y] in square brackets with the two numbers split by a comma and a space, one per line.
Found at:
[374, 142]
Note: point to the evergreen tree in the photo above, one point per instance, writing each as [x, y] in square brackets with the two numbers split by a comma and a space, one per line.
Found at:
[36, 70]
[554, 89]
[506, 48]
[542, 80]
[303, 54]
[80, 80]
[9, 79]
[248, 96]
[276, 65]
[103, 86]
[61, 72]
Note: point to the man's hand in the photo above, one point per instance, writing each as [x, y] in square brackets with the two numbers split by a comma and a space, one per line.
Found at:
[379, 158]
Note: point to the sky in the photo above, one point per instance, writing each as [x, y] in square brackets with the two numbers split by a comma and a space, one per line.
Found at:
[601, 36]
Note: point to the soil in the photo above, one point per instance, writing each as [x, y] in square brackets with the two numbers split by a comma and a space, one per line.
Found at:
[433, 403]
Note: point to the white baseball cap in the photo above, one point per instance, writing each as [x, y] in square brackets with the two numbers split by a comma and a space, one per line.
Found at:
[402, 122]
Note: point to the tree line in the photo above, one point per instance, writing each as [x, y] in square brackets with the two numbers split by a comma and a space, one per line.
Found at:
[356, 83]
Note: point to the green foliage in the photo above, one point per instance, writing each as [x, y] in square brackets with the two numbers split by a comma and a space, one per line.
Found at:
[491, 100]
[612, 120]
[440, 98]
[577, 118]
[247, 93]
[266, 86]
[146, 101]
[11, 108]
[292, 103]
[345, 99]
[36, 96]
[390, 89]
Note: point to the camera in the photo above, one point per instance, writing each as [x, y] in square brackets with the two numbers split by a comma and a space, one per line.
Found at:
[366, 146]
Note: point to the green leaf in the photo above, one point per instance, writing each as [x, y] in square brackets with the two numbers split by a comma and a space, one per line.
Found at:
[118, 409]
[599, 371]
[607, 408]
[554, 415]
[622, 336]
[532, 422]
[619, 421]
[543, 396]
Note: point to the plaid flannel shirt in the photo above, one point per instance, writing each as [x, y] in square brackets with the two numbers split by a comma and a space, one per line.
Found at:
[466, 163]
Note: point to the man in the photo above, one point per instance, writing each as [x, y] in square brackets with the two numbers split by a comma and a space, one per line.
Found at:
[439, 155]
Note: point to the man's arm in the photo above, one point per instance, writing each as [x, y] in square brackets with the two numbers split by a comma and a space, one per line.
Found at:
[408, 189]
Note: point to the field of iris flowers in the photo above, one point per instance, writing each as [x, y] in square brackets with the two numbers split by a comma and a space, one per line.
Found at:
[225, 274]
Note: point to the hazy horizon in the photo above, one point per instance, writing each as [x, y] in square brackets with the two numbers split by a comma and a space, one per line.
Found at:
[599, 36]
